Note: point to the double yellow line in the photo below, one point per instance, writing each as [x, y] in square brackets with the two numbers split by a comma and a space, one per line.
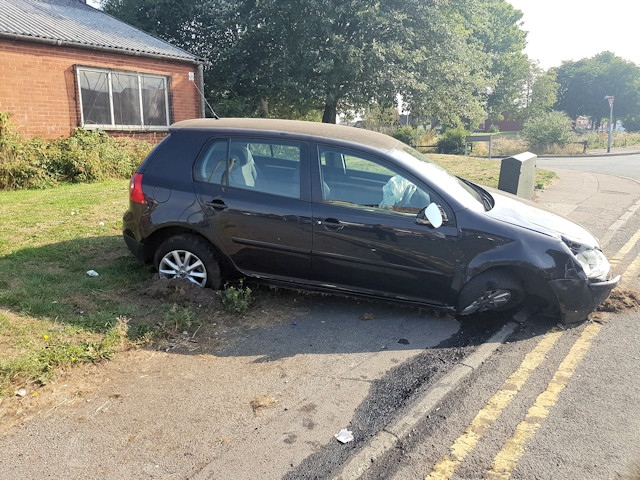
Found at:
[506, 460]
[445, 468]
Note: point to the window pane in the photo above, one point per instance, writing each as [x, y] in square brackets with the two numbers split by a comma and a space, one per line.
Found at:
[154, 101]
[213, 163]
[277, 165]
[367, 183]
[94, 91]
[126, 99]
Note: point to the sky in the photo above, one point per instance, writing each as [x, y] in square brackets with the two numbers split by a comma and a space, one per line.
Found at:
[562, 30]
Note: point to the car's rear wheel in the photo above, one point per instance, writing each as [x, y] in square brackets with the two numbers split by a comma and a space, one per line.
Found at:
[189, 257]
[490, 291]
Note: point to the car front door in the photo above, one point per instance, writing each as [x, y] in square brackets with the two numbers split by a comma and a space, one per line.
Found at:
[366, 237]
[251, 192]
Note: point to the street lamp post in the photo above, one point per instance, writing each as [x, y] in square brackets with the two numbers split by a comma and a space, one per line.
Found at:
[610, 98]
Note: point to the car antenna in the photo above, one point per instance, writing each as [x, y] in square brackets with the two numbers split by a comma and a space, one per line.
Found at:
[192, 78]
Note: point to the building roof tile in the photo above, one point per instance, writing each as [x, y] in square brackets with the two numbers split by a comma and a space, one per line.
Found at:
[73, 23]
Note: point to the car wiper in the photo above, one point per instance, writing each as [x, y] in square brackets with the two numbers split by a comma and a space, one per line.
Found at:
[485, 197]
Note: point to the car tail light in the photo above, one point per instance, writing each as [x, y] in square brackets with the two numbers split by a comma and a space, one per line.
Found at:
[135, 189]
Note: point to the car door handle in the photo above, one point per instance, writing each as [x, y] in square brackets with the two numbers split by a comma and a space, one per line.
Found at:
[331, 223]
[216, 204]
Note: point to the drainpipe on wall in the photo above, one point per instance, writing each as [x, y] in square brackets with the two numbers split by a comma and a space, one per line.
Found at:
[201, 86]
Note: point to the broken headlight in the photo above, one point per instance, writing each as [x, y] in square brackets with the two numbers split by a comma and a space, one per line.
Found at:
[592, 260]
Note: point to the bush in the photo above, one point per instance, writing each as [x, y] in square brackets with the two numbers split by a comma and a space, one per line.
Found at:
[85, 156]
[453, 141]
[406, 135]
[548, 130]
[236, 299]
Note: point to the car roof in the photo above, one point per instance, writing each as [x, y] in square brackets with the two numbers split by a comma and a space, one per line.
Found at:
[315, 129]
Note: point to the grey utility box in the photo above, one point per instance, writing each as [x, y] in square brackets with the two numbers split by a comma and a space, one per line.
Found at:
[517, 174]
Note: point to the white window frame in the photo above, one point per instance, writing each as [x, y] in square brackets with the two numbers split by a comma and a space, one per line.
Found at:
[113, 125]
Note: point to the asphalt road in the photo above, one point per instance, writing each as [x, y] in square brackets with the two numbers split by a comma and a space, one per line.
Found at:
[619, 165]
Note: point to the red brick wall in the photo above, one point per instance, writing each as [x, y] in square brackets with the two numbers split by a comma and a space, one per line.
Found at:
[38, 86]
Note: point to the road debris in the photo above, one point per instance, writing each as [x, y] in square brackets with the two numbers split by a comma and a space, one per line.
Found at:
[344, 436]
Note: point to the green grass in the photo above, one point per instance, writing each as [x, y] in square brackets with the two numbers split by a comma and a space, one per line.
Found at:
[482, 170]
[51, 312]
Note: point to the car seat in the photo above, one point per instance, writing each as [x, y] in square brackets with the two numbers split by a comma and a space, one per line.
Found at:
[241, 171]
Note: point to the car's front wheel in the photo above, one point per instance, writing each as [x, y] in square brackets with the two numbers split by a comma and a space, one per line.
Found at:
[189, 257]
[490, 291]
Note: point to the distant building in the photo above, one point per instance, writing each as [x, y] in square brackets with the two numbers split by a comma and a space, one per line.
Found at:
[505, 125]
[65, 64]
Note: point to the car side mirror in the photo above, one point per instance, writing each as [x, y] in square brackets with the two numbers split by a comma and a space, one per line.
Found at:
[432, 215]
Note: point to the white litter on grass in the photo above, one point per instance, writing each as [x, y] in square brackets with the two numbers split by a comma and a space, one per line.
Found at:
[344, 436]
[92, 273]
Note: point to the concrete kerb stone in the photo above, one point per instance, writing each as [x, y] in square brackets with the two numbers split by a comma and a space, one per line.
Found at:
[394, 433]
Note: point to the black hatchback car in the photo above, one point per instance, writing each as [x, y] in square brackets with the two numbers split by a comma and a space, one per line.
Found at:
[346, 210]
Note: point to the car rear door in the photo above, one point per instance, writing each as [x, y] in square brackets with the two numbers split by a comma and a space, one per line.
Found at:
[252, 196]
[366, 238]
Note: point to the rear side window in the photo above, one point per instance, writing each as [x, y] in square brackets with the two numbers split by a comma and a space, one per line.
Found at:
[252, 164]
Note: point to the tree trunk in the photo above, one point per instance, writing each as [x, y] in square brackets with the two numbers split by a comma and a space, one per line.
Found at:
[264, 106]
[330, 112]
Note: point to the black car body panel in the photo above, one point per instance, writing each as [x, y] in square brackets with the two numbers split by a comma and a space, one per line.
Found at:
[341, 209]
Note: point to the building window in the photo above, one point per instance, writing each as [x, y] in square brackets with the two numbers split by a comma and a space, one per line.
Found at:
[116, 100]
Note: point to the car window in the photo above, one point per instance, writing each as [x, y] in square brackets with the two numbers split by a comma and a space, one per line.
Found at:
[253, 164]
[360, 181]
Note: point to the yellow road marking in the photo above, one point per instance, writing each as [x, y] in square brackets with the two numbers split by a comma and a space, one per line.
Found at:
[444, 468]
[631, 273]
[626, 248]
[507, 458]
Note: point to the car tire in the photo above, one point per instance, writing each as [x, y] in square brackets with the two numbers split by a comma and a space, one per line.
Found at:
[189, 257]
[490, 291]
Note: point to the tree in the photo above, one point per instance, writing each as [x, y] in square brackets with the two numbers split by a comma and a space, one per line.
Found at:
[496, 26]
[445, 78]
[540, 93]
[585, 83]
[297, 57]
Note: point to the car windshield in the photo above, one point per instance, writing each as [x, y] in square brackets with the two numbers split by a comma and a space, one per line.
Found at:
[437, 175]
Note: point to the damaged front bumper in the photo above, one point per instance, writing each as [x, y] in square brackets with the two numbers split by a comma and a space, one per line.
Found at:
[577, 297]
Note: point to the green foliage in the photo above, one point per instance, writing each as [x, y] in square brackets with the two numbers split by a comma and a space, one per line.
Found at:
[177, 319]
[405, 134]
[86, 156]
[495, 26]
[453, 141]
[236, 299]
[632, 123]
[335, 56]
[585, 83]
[553, 128]
[57, 348]
[541, 94]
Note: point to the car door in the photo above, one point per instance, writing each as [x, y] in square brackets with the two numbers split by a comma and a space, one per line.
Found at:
[259, 210]
[366, 237]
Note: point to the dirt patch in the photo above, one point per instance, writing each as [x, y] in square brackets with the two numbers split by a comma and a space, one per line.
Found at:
[183, 293]
[621, 300]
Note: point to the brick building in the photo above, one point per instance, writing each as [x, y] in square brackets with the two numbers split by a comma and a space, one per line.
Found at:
[65, 64]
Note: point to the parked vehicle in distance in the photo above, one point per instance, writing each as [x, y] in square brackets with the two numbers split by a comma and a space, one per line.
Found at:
[345, 210]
